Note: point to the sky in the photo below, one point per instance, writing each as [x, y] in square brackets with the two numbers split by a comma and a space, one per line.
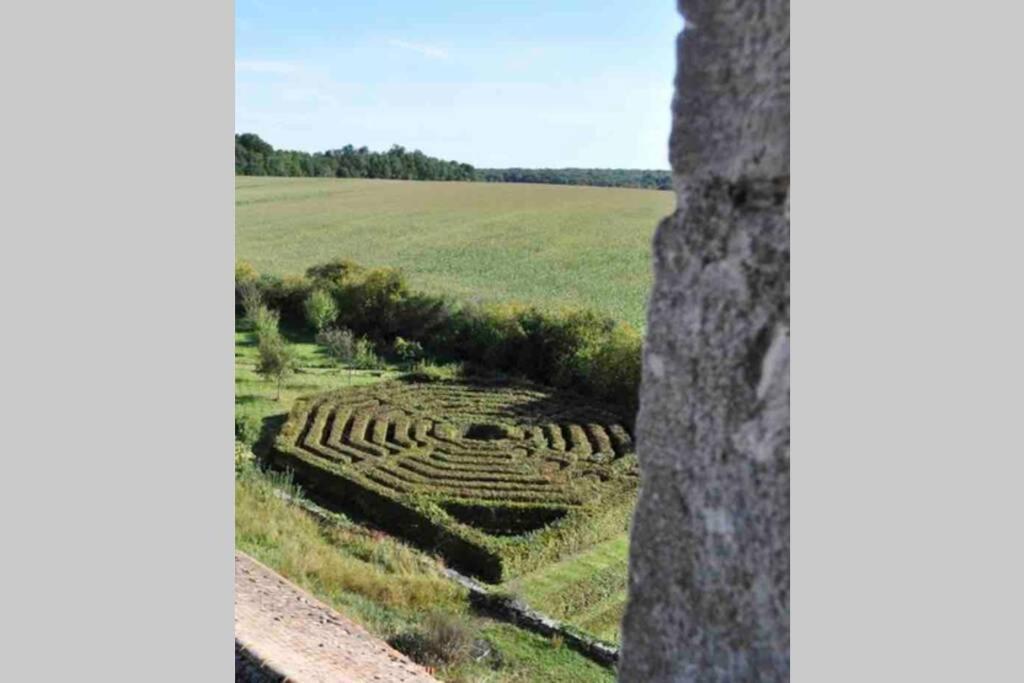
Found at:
[493, 83]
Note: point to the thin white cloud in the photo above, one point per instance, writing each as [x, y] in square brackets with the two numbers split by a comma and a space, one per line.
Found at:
[266, 67]
[426, 50]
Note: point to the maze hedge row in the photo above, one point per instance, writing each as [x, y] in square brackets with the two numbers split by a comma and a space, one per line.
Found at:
[499, 478]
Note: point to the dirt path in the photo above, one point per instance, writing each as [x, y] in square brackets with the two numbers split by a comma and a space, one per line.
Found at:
[296, 636]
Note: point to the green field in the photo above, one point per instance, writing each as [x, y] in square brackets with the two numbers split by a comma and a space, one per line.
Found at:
[547, 245]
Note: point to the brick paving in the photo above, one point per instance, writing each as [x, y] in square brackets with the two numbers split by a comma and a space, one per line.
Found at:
[303, 640]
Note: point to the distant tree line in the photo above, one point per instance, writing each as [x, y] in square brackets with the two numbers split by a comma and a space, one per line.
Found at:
[256, 157]
[602, 177]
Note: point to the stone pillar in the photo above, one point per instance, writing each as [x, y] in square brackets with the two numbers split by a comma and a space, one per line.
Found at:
[709, 560]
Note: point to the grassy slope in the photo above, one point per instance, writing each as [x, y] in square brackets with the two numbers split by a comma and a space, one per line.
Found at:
[386, 585]
[588, 590]
[379, 581]
[542, 244]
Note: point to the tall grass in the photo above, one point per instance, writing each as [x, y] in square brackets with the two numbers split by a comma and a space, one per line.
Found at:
[335, 559]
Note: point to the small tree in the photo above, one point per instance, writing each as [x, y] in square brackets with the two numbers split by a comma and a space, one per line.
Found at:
[252, 299]
[321, 310]
[276, 359]
[408, 351]
[264, 321]
[339, 343]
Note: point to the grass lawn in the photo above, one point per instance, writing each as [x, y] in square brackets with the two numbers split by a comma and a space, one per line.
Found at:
[548, 245]
[316, 372]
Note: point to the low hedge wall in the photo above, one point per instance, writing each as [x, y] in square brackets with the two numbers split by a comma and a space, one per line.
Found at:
[428, 520]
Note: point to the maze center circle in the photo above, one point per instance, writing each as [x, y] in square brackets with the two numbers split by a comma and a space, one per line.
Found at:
[461, 444]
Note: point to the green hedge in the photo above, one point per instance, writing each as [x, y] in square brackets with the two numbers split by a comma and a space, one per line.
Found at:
[427, 522]
[590, 353]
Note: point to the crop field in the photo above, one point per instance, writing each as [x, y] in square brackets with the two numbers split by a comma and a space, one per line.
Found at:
[546, 245]
[499, 478]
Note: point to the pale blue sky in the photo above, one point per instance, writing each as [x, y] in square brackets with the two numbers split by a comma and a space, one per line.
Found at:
[537, 83]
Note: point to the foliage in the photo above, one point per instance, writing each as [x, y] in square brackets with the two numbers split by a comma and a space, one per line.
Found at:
[426, 371]
[248, 295]
[346, 348]
[264, 321]
[365, 357]
[253, 156]
[600, 177]
[276, 360]
[243, 456]
[244, 272]
[442, 638]
[334, 272]
[407, 351]
[321, 310]
[339, 343]
[248, 427]
[581, 349]
[373, 303]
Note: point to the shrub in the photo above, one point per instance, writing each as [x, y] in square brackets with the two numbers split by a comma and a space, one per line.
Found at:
[264, 321]
[247, 428]
[249, 297]
[492, 334]
[320, 309]
[365, 356]
[244, 272]
[339, 343]
[288, 296]
[591, 353]
[425, 371]
[373, 305]
[333, 273]
[243, 456]
[442, 639]
[407, 351]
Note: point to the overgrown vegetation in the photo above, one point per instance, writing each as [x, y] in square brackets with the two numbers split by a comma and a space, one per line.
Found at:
[442, 639]
[389, 587]
[593, 354]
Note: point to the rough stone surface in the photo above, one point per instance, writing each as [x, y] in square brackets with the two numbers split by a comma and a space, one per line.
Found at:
[709, 560]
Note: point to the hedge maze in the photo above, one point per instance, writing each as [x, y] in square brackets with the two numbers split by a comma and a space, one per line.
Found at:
[499, 478]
